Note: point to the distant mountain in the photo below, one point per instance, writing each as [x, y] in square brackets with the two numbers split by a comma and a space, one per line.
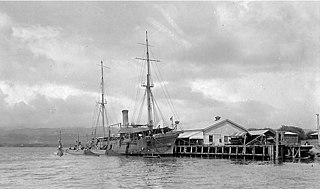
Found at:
[46, 136]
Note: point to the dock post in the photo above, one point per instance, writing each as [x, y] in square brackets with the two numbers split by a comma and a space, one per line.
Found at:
[277, 145]
[237, 148]
[293, 153]
[215, 152]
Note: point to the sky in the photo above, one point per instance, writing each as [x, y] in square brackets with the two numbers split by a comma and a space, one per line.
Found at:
[255, 63]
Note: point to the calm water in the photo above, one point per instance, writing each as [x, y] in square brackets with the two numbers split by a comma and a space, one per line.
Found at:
[40, 168]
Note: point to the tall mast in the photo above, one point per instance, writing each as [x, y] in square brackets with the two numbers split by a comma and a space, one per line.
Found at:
[102, 99]
[148, 87]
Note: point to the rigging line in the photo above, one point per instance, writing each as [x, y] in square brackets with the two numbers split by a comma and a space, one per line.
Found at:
[155, 112]
[93, 115]
[163, 90]
[141, 107]
[154, 98]
[156, 104]
[141, 78]
[105, 107]
[95, 130]
[138, 91]
[168, 95]
[107, 120]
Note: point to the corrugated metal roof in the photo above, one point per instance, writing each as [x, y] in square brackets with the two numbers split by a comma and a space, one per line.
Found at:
[258, 132]
[290, 133]
[198, 135]
[220, 123]
[187, 134]
[238, 134]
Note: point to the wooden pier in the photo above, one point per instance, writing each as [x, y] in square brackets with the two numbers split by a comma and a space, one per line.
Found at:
[254, 152]
[257, 152]
[284, 146]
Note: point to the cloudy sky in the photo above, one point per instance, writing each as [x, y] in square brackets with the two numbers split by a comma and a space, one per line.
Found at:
[255, 63]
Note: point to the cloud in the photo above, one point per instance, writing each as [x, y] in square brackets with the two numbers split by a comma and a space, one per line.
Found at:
[4, 20]
[16, 92]
[253, 62]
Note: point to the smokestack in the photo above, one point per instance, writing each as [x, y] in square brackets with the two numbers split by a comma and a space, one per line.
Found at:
[125, 118]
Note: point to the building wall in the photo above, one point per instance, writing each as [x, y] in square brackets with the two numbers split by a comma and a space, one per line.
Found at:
[290, 139]
[220, 134]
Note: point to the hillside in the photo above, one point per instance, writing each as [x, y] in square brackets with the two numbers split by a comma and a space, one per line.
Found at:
[45, 136]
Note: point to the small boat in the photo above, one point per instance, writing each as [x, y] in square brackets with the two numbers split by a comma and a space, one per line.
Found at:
[151, 156]
[88, 152]
[75, 152]
[60, 147]
[78, 149]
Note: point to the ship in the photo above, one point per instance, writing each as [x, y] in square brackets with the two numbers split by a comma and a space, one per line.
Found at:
[147, 139]
[97, 145]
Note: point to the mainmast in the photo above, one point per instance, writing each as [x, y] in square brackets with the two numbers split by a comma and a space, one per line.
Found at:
[102, 100]
[149, 85]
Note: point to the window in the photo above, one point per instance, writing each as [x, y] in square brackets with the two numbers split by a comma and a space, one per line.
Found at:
[210, 138]
[226, 139]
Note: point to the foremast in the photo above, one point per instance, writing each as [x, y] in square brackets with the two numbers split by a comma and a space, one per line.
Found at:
[102, 101]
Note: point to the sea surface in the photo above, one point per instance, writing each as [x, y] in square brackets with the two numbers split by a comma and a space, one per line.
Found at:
[41, 168]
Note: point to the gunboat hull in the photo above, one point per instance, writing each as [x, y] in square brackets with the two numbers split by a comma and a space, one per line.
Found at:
[160, 144]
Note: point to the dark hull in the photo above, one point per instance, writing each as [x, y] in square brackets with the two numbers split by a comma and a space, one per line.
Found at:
[161, 144]
[81, 152]
[75, 152]
[97, 152]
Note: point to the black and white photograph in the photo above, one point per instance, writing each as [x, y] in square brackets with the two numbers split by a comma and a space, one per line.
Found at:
[159, 94]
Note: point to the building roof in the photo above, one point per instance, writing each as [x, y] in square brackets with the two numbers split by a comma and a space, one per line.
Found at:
[290, 133]
[198, 135]
[258, 132]
[219, 124]
[192, 134]
[239, 134]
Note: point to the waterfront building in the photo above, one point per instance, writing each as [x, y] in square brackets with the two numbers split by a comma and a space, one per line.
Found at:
[219, 134]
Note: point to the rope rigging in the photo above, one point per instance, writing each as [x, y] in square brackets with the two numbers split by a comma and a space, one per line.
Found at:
[155, 107]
